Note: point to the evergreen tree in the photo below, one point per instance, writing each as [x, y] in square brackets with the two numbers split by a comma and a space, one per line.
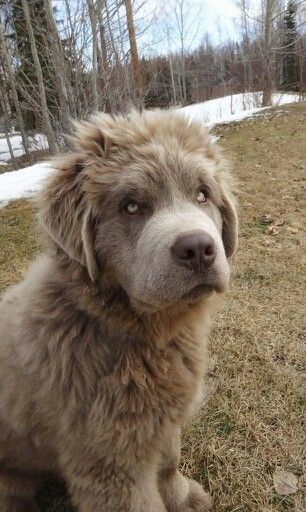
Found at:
[290, 58]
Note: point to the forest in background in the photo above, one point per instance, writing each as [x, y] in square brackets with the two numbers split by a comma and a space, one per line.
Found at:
[67, 59]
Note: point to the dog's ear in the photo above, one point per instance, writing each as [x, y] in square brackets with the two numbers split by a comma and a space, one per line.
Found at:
[226, 201]
[65, 214]
[91, 138]
[230, 223]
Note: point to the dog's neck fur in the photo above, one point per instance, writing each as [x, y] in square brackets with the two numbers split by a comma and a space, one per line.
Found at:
[110, 304]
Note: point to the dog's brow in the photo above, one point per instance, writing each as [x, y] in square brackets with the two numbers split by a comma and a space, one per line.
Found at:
[134, 190]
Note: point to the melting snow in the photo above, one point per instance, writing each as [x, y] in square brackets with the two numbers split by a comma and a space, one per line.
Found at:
[25, 182]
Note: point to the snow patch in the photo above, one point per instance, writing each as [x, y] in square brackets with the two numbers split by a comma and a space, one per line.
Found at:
[26, 182]
[35, 143]
[23, 183]
[232, 108]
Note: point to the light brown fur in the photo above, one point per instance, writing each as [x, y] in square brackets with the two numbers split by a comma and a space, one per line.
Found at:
[98, 374]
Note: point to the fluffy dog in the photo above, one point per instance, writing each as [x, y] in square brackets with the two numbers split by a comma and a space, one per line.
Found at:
[103, 345]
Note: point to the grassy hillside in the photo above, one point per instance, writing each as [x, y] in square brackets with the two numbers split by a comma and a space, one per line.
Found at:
[252, 422]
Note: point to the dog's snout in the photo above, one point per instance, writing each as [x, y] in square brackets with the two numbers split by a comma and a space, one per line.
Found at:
[196, 250]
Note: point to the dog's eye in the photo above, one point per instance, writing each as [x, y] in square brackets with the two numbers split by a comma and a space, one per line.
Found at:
[201, 198]
[132, 208]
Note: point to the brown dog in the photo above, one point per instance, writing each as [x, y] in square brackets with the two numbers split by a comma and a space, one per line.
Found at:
[103, 345]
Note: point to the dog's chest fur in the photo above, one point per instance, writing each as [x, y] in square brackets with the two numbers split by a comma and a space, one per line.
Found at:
[144, 387]
[146, 380]
[107, 382]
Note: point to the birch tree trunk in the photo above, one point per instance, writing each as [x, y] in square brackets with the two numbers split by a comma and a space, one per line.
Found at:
[73, 71]
[137, 78]
[7, 128]
[45, 114]
[95, 53]
[104, 69]
[59, 67]
[172, 80]
[4, 55]
[267, 60]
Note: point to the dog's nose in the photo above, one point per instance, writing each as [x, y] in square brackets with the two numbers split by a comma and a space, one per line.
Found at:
[196, 250]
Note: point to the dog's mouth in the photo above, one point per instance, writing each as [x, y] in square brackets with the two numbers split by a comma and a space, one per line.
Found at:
[199, 291]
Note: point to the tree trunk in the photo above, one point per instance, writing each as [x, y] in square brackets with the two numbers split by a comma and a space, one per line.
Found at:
[62, 84]
[137, 78]
[172, 80]
[267, 60]
[115, 102]
[75, 101]
[183, 79]
[127, 88]
[7, 128]
[95, 54]
[4, 54]
[104, 69]
[49, 132]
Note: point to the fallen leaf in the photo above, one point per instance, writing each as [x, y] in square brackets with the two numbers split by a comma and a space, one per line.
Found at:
[267, 218]
[285, 482]
[271, 230]
[279, 222]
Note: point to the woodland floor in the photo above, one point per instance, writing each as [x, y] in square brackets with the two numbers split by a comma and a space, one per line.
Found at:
[252, 422]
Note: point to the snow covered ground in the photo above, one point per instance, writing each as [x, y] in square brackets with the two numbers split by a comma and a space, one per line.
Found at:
[37, 142]
[233, 108]
[22, 183]
[25, 182]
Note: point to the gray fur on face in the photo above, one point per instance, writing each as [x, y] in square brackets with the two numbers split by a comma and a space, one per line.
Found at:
[160, 167]
[155, 278]
[139, 249]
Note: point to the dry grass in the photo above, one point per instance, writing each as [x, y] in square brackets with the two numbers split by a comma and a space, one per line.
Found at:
[18, 242]
[253, 422]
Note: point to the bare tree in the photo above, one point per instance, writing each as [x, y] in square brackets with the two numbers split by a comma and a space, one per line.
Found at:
[181, 27]
[137, 78]
[267, 57]
[59, 64]
[9, 76]
[44, 106]
[246, 53]
[7, 125]
[95, 53]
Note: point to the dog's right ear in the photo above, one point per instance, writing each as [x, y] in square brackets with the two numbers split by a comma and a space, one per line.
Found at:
[65, 212]
[92, 138]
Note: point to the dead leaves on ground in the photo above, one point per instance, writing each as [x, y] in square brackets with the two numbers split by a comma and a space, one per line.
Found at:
[292, 231]
[273, 227]
[267, 219]
[285, 482]
[271, 230]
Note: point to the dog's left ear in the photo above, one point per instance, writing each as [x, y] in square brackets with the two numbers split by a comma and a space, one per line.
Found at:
[228, 210]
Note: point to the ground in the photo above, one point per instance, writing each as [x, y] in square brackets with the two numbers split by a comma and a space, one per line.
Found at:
[252, 422]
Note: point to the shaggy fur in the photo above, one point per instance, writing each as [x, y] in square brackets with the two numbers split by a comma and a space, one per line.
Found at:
[103, 345]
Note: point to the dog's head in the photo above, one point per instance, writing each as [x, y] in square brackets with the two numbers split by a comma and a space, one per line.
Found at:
[146, 201]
